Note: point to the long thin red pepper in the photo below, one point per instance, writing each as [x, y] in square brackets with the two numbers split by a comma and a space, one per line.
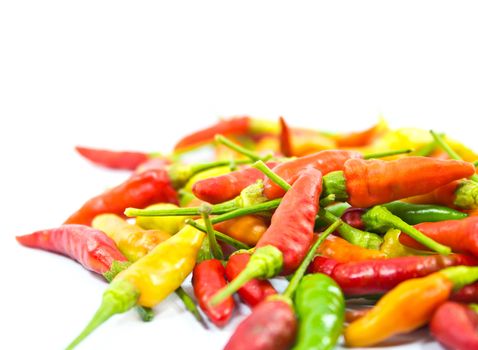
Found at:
[208, 278]
[254, 291]
[368, 277]
[455, 326]
[285, 139]
[90, 247]
[225, 187]
[460, 235]
[128, 160]
[140, 190]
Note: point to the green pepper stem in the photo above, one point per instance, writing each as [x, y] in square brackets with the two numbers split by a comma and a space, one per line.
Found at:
[146, 313]
[239, 149]
[118, 298]
[475, 163]
[219, 235]
[380, 218]
[216, 209]
[260, 165]
[256, 208]
[466, 195]
[425, 150]
[387, 153]
[190, 305]
[265, 262]
[335, 183]
[214, 246]
[196, 168]
[299, 273]
[473, 307]
[446, 147]
[461, 276]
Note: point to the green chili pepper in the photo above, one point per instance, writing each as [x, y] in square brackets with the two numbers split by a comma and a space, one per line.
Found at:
[414, 214]
[320, 308]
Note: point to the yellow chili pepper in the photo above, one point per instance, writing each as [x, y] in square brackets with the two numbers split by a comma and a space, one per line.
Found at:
[217, 171]
[408, 306]
[169, 224]
[132, 240]
[150, 279]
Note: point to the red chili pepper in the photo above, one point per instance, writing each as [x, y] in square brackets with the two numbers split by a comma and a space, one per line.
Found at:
[153, 164]
[361, 138]
[128, 160]
[285, 138]
[455, 326]
[236, 125]
[460, 235]
[90, 247]
[379, 276]
[225, 187]
[254, 291]
[208, 278]
[140, 190]
[325, 161]
[467, 294]
[371, 182]
[258, 331]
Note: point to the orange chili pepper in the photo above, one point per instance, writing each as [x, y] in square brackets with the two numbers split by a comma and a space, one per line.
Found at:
[342, 251]
[247, 229]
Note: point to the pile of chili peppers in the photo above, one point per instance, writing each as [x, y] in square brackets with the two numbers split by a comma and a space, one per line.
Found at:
[383, 219]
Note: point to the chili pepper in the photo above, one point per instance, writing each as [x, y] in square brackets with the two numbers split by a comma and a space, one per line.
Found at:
[254, 291]
[206, 174]
[320, 307]
[232, 126]
[378, 276]
[339, 249]
[225, 187]
[455, 326]
[285, 138]
[150, 279]
[153, 164]
[285, 243]
[408, 306]
[90, 247]
[140, 190]
[461, 194]
[247, 229]
[468, 294]
[460, 235]
[114, 159]
[364, 183]
[362, 138]
[169, 224]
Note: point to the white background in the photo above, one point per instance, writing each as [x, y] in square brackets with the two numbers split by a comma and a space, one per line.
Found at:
[138, 75]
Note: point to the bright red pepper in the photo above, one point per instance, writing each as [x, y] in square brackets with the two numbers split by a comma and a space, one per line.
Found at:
[208, 278]
[467, 294]
[460, 235]
[379, 276]
[128, 160]
[140, 190]
[256, 328]
[285, 139]
[325, 161]
[254, 291]
[455, 326]
[90, 247]
[225, 187]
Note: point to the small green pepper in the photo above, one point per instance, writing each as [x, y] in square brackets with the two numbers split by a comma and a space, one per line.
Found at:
[414, 214]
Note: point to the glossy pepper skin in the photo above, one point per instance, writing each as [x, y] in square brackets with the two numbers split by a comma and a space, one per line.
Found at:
[222, 188]
[455, 326]
[256, 333]
[132, 240]
[342, 251]
[208, 278]
[467, 294]
[372, 182]
[292, 225]
[126, 160]
[247, 229]
[254, 291]
[369, 277]
[93, 249]
[140, 190]
[324, 161]
[460, 235]
[320, 307]
[169, 224]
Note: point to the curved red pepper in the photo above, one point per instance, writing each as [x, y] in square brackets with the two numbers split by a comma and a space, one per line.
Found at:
[455, 326]
[460, 235]
[236, 125]
[208, 278]
[379, 276]
[325, 161]
[222, 188]
[371, 182]
[292, 225]
[90, 247]
[139, 191]
[285, 139]
[128, 160]
[254, 291]
[256, 333]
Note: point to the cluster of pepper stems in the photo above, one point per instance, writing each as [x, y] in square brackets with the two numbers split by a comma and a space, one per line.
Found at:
[398, 234]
